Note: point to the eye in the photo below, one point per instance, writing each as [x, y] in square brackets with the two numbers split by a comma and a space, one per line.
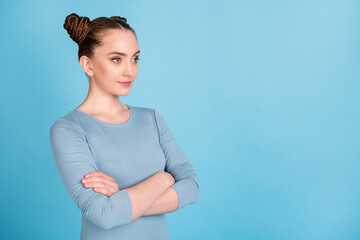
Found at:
[115, 59]
[137, 59]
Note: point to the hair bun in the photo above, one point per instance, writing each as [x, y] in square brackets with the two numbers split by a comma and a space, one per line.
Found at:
[77, 27]
[119, 18]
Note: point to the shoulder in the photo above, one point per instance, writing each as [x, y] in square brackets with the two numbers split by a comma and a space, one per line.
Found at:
[146, 111]
[139, 109]
[67, 123]
[150, 114]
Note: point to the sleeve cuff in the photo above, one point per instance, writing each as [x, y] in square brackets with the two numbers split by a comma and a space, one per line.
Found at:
[123, 196]
[187, 191]
[179, 187]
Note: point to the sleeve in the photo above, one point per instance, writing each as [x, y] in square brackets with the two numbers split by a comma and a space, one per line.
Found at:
[186, 185]
[74, 159]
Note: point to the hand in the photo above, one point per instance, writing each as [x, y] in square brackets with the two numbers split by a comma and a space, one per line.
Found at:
[101, 183]
[170, 177]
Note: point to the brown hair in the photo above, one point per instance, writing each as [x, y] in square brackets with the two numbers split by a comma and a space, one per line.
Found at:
[87, 34]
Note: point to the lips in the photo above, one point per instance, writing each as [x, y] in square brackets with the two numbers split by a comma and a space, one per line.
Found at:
[127, 83]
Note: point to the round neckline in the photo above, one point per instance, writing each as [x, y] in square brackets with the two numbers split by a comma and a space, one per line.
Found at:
[110, 124]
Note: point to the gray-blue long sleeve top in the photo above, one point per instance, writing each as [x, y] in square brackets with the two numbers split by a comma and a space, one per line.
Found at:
[129, 152]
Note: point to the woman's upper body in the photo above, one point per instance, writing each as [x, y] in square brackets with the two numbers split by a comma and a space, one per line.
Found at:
[129, 152]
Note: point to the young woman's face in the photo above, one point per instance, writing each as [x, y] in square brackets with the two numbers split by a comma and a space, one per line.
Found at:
[116, 60]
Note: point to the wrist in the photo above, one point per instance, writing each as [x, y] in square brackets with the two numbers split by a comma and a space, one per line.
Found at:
[171, 179]
[167, 178]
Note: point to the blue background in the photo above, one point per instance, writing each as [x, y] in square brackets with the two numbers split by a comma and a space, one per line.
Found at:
[262, 96]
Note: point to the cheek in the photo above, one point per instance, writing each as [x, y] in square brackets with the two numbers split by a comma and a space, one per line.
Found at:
[105, 74]
[103, 65]
[135, 71]
[104, 69]
[108, 72]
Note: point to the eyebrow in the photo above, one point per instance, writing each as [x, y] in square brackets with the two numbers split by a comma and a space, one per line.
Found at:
[123, 54]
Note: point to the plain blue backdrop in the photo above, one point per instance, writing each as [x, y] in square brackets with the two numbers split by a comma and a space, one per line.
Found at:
[262, 96]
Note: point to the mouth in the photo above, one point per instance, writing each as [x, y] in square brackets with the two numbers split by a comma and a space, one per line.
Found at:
[127, 83]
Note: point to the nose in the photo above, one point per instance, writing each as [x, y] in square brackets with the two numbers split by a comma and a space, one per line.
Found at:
[128, 71]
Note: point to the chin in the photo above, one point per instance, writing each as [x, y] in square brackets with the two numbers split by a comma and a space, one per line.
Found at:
[124, 93]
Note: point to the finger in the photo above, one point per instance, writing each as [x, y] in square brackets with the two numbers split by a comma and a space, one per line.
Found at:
[104, 191]
[98, 173]
[90, 173]
[112, 188]
[110, 185]
[99, 179]
[102, 177]
[96, 184]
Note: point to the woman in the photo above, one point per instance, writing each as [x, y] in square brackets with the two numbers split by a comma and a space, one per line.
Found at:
[120, 163]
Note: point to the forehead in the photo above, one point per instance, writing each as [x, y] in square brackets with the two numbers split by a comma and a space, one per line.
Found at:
[118, 40]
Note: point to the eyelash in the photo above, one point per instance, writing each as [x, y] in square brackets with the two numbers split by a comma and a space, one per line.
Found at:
[137, 59]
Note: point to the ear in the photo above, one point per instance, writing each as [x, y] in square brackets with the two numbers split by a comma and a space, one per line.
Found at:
[86, 65]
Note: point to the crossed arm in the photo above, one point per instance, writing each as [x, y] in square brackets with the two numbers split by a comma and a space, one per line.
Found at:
[168, 202]
[154, 195]
[144, 195]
